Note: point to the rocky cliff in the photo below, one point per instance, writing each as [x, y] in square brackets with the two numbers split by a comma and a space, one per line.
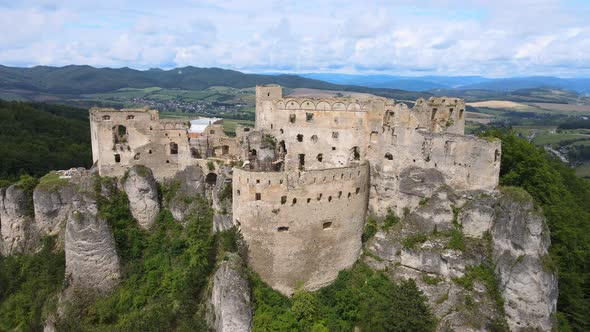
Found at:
[142, 192]
[91, 256]
[52, 205]
[230, 297]
[478, 258]
[16, 222]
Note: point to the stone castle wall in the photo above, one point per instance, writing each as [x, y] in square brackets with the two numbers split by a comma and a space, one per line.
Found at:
[301, 227]
[311, 170]
[123, 138]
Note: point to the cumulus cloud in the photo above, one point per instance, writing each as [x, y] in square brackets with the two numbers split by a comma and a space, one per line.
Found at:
[446, 37]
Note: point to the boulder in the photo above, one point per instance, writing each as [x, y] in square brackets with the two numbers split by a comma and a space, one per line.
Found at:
[142, 192]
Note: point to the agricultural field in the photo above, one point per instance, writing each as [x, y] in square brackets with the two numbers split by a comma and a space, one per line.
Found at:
[572, 144]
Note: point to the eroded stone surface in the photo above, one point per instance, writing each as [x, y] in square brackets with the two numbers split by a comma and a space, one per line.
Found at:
[142, 192]
[521, 242]
[231, 298]
[518, 240]
[17, 231]
[52, 206]
[91, 257]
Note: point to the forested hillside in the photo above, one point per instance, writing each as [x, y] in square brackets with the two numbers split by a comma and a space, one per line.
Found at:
[565, 200]
[36, 138]
[77, 80]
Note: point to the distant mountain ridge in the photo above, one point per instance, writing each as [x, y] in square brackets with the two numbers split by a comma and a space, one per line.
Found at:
[427, 83]
[77, 80]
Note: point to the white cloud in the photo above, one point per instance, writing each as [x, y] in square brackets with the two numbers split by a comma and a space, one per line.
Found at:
[499, 38]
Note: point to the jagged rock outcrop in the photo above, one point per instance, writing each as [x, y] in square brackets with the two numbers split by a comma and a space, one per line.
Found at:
[521, 243]
[189, 183]
[221, 195]
[452, 243]
[91, 257]
[231, 298]
[17, 231]
[52, 205]
[142, 192]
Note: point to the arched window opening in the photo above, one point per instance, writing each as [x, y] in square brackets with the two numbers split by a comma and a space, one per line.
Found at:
[496, 155]
[120, 134]
[173, 148]
[388, 156]
[299, 138]
[211, 178]
[314, 138]
[117, 158]
[320, 157]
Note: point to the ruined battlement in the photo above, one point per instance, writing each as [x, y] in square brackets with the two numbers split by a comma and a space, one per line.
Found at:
[310, 171]
[301, 226]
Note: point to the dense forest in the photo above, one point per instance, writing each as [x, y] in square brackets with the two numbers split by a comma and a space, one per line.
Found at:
[36, 138]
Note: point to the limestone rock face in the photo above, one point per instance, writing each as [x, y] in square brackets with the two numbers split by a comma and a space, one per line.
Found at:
[191, 183]
[142, 192]
[389, 191]
[521, 242]
[52, 206]
[222, 201]
[16, 223]
[231, 299]
[502, 230]
[91, 257]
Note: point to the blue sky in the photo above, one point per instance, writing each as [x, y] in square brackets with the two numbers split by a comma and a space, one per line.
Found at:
[442, 37]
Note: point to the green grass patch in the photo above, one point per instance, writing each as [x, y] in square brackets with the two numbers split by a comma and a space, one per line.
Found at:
[412, 241]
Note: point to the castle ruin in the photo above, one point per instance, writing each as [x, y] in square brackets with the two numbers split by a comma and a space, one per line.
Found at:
[310, 171]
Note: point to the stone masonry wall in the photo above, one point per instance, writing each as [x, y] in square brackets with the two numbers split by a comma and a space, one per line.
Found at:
[301, 228]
